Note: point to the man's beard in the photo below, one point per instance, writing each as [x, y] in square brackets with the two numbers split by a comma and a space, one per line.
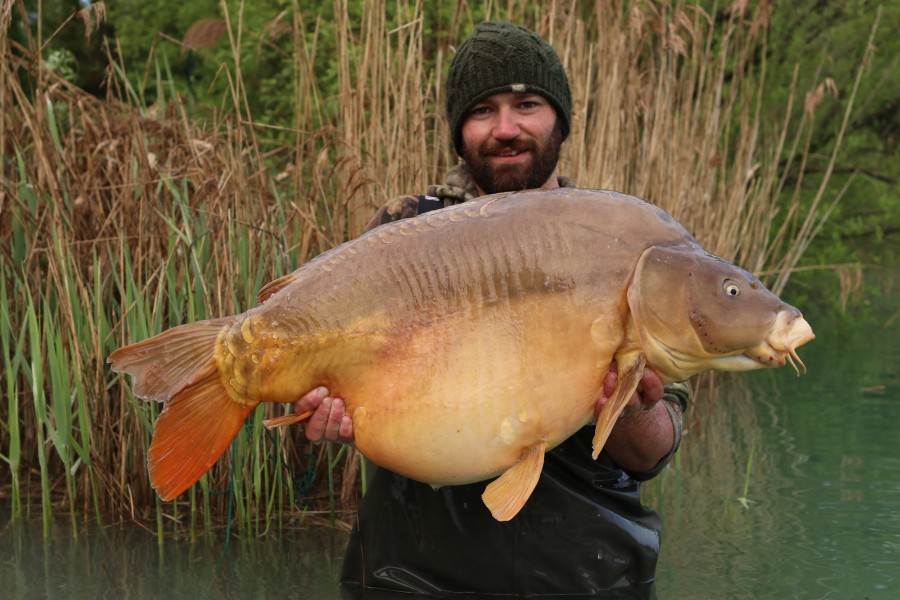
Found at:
[510, 178]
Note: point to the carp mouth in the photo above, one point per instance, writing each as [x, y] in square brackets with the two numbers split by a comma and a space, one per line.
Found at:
[766, 355]
[780, 347]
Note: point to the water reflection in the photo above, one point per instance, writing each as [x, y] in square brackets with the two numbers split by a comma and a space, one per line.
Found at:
[127, 562]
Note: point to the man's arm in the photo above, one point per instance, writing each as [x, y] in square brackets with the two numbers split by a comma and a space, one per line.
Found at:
[402, 207]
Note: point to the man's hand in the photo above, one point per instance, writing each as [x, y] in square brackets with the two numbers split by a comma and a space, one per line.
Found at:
[329, 420]
[402, 207]
[649, 392]
[644, 433]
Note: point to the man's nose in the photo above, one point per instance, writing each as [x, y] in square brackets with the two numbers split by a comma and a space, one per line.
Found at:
[507, 126]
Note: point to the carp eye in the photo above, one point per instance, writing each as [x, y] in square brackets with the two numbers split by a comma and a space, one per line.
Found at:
[731, 288]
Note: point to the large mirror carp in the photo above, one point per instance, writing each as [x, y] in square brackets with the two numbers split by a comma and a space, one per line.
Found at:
[466, 342]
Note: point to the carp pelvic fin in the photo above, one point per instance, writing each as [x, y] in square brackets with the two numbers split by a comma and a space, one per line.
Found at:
[192, 432]
[506, 495]
[631, 369]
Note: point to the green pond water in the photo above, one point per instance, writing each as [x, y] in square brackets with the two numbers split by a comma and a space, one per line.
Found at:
[785, 487]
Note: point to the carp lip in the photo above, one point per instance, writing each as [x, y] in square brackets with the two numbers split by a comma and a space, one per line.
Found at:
[767, 355]
[789, 333]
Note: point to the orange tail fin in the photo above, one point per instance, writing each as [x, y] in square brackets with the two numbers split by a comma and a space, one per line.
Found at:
[192, 432]
[199, 419]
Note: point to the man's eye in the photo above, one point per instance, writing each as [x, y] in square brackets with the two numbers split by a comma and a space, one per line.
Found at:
[480, 110]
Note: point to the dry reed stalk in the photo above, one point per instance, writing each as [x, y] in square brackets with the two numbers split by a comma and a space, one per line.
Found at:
[664, 113]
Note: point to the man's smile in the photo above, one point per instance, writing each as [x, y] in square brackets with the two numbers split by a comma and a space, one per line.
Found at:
[509, 156]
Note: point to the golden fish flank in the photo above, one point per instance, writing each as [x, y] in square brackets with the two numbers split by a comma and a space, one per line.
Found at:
[450, 336]
[238, 359]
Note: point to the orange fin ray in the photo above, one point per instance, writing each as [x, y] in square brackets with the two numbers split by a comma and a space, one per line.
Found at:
[285, 420]
[506, 495]
[165, 364]
[631, 369]
[192, 432]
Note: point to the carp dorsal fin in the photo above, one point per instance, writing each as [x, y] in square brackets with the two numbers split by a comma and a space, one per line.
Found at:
[506, 495]
[631, 369]
[273, 287]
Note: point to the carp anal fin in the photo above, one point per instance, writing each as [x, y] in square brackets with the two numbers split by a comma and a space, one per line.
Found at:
[285, 420]
[165, 364]
[506, 495]
[193, 430]
[275, 286]
[631, 369]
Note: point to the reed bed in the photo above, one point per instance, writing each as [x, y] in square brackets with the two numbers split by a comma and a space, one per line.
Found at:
[121, 218]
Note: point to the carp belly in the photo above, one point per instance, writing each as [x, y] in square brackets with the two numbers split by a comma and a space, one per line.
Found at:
[460, 400]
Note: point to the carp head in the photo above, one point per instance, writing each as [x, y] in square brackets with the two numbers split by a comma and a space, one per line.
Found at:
[695, 311]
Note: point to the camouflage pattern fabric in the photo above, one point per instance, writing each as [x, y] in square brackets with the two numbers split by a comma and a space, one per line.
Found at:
[457, 188]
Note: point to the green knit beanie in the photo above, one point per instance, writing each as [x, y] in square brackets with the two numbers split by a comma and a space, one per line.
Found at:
[502, 57]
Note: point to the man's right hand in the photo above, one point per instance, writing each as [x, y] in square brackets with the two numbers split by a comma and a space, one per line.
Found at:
[329, 421]
[402, 207]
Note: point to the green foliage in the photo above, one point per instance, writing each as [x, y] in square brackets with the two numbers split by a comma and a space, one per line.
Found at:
[829, 39]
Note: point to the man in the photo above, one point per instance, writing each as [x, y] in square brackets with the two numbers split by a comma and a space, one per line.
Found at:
[584, 529]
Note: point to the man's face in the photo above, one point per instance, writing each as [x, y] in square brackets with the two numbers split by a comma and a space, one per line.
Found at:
[511, 141]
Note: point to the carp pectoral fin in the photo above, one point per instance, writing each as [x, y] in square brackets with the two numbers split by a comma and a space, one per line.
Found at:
[192, 432]
[631, 369]
[506, 495]
[284, 420]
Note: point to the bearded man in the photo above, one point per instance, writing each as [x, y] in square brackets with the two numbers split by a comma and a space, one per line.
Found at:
[584, 530]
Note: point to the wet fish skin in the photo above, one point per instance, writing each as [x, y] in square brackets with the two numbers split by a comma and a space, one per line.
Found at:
[466, 342]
